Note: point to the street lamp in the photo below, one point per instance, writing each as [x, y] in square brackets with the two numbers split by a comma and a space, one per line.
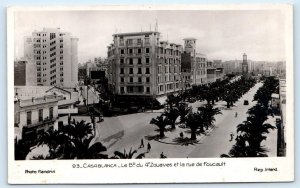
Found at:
[87, 97]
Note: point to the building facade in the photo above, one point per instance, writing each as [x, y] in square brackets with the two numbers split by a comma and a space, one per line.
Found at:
[24, 73]
[245, 64]
[36, 115]
[139, 64]
[194, 64]
[55, 55]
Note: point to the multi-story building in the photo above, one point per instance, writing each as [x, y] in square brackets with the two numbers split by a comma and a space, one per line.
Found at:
[36, 115]
[140, 65]
[219, 69]
[200, 72]
[193, 64]
[55, 55]
[211, 72]
[24, 73]
[67, 105]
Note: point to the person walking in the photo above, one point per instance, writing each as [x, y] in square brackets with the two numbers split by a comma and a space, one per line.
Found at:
[148, 147]
[231, 137]
[236, 114]
[142, 143]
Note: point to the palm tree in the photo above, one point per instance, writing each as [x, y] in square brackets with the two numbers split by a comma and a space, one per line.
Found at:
[254, 134]
[208, 114]
[73, 141]
[22, 148]
[57, 141]
[183, 111]
[125, 155]
[172, 114]
[161, 122]
[194, 121]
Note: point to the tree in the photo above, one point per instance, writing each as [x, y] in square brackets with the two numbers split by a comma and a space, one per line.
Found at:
[172, 114]
[208, 114]
[183, 111]
[194, 121]
[73, 141]
[129, 155]
[22, 148]
[161, 122]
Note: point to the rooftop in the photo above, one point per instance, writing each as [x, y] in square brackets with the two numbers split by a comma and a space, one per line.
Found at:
[40, 100]
[189, 38]
[136, 33]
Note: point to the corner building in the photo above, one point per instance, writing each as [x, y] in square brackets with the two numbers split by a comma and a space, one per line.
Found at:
[54, 54]
[140, 65]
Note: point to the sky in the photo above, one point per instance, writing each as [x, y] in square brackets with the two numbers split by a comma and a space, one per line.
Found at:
[220, 34]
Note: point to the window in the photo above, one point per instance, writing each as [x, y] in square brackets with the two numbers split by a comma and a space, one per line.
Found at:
[122, 51]
[122, 89]
[147, 60]
[139, 50]
[121, 61]
[121, 41]
[147, 50]
[148, 89]
[147, 71]
[130, 70]
[29, 118]
[139, 70]
[139, 61]
[131, 79]
[51, 113]
[121, 70]
[147, 41]
[139, 41]
[130, 51]
[140, 79]
[122, 80]
[130, 61]
[148, 79]
[129, 41]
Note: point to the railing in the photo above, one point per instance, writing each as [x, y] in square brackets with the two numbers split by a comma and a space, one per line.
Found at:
[39, 123]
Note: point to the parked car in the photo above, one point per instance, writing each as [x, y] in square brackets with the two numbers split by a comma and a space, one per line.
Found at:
[246, 102]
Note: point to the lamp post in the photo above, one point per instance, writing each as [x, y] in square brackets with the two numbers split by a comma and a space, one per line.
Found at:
[87, 97]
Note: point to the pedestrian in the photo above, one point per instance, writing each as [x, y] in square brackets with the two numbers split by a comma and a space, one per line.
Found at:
[162, 156]
[148, 147]
[181, 134]
[231, 137]
[100, 118]
[236, 114]
[142, 143]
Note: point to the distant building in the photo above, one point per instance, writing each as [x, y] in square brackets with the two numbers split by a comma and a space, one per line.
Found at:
[219, 69]
[55, 55]
[245, 64]
[140, 65]
[24, 73]
[211, 72]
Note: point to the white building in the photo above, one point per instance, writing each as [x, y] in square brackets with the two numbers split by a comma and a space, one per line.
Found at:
[36, 115]
[54, 54]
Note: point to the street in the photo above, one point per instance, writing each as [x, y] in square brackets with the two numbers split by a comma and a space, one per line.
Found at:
[125, 132]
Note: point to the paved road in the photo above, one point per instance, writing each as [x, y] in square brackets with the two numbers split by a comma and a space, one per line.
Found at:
[126, 131]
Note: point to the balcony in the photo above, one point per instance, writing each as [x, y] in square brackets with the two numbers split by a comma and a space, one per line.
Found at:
[47, 120]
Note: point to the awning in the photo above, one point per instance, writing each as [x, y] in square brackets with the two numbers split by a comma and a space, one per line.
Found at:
[162, 100]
